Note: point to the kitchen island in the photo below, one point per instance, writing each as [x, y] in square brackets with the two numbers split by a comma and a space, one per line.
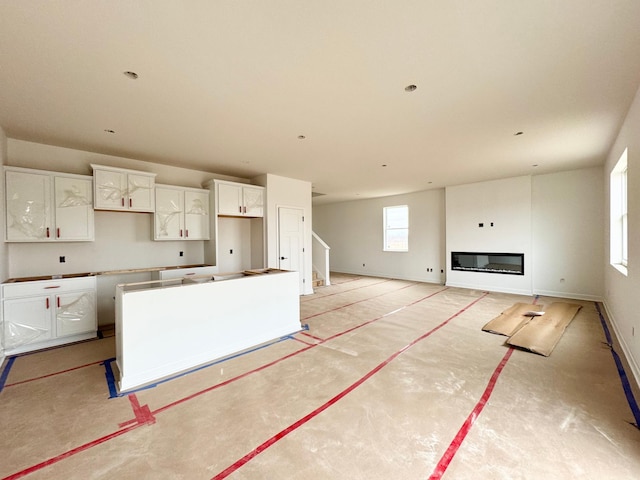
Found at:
[167, 327]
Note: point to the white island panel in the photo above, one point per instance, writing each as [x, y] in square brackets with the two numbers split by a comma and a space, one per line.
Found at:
[163, 331]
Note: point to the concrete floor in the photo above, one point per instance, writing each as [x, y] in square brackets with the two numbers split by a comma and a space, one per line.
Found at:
[392, 380]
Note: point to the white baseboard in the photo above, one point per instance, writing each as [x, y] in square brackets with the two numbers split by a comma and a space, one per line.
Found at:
[575, 296]
[516, 291]
[631, 361]
[426, 279]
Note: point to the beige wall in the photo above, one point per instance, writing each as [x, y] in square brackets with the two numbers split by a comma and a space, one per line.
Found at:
[560, 230]
[621, 291]
[287, 192]
[4, 263]
[353, 230]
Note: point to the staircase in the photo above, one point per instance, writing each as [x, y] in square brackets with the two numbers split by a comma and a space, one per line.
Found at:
[316, 281]
[320, 254]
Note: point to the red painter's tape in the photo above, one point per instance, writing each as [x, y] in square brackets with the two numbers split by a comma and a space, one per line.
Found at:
[277, 437]
[69, 453]
[349, 290]
[312, 336]
[444, 462]
[55, 373]
[142, 413]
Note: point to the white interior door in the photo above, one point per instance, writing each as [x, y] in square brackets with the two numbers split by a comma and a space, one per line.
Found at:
[291, 241]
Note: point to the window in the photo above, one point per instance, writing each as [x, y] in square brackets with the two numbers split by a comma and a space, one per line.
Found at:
[619, 227]
[396, 228]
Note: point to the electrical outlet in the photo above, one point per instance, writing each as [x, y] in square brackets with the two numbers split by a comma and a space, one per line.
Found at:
[62, 259]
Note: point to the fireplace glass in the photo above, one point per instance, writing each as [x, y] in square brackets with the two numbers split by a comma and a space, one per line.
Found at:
[485, 262]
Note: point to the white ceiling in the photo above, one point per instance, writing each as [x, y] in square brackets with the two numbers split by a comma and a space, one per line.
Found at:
[228, 86]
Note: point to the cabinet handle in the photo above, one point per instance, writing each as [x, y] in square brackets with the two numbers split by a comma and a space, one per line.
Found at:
[240, 208]
[47, 302]
[58, 301]
[122, 201]
[130, 203]
[58, 232]
[47, 232]
[180, 233]
[186, 233]
[244, 209]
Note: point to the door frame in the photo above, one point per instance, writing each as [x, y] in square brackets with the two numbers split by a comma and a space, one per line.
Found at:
[303, 276]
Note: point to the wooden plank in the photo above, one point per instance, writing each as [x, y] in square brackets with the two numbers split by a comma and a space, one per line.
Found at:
[513, 318]
[542, 334]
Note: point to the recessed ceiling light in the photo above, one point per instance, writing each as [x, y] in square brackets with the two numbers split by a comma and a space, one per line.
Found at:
[517, 133]
[410, 88]
[131, 75]
[301, 137]
[108, 130]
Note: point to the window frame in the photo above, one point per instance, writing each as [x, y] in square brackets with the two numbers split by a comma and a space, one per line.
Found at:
[386, 229]
[619, 228]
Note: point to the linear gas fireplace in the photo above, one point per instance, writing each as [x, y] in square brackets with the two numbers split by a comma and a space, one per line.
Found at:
[507, 263]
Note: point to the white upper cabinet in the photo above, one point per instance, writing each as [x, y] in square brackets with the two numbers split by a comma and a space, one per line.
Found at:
[196, 214]
[239, 200]
[181, 213]
[122, 189]
[74, 208]
[46, 206]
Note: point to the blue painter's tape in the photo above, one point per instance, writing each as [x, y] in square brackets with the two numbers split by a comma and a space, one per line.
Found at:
[626, 386]
[111, 381]
[5, 372]
[111, 378]
[305, 326]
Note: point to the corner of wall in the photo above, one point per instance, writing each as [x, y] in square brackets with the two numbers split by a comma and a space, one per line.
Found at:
[4, 270]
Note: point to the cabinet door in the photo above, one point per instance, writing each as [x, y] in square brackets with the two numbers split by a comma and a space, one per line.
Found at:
[28, 207]
[168, 219]
[196, 215]
[73, 209]
[110, 190]
[141, 193]
[75, 313]
[229, 199]
[253, 201]
[27, 320]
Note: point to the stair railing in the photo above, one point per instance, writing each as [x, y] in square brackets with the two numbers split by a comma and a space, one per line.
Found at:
[320, 252]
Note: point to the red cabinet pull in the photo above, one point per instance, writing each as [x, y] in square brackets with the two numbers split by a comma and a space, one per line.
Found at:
[122, 201]
[130, 203]
[47, 232]
[58, 301]
[180, 233]
[187, 233]
[58, 232]
[47, 302]
[240, 208]
[245, 209]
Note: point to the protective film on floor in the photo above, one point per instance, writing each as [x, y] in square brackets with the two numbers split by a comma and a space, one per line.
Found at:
[391, 379]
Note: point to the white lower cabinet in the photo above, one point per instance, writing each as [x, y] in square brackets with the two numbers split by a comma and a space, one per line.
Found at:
[44, 313]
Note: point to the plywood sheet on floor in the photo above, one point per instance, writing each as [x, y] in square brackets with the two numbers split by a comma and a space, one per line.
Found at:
[512, 319]
[542, 334]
